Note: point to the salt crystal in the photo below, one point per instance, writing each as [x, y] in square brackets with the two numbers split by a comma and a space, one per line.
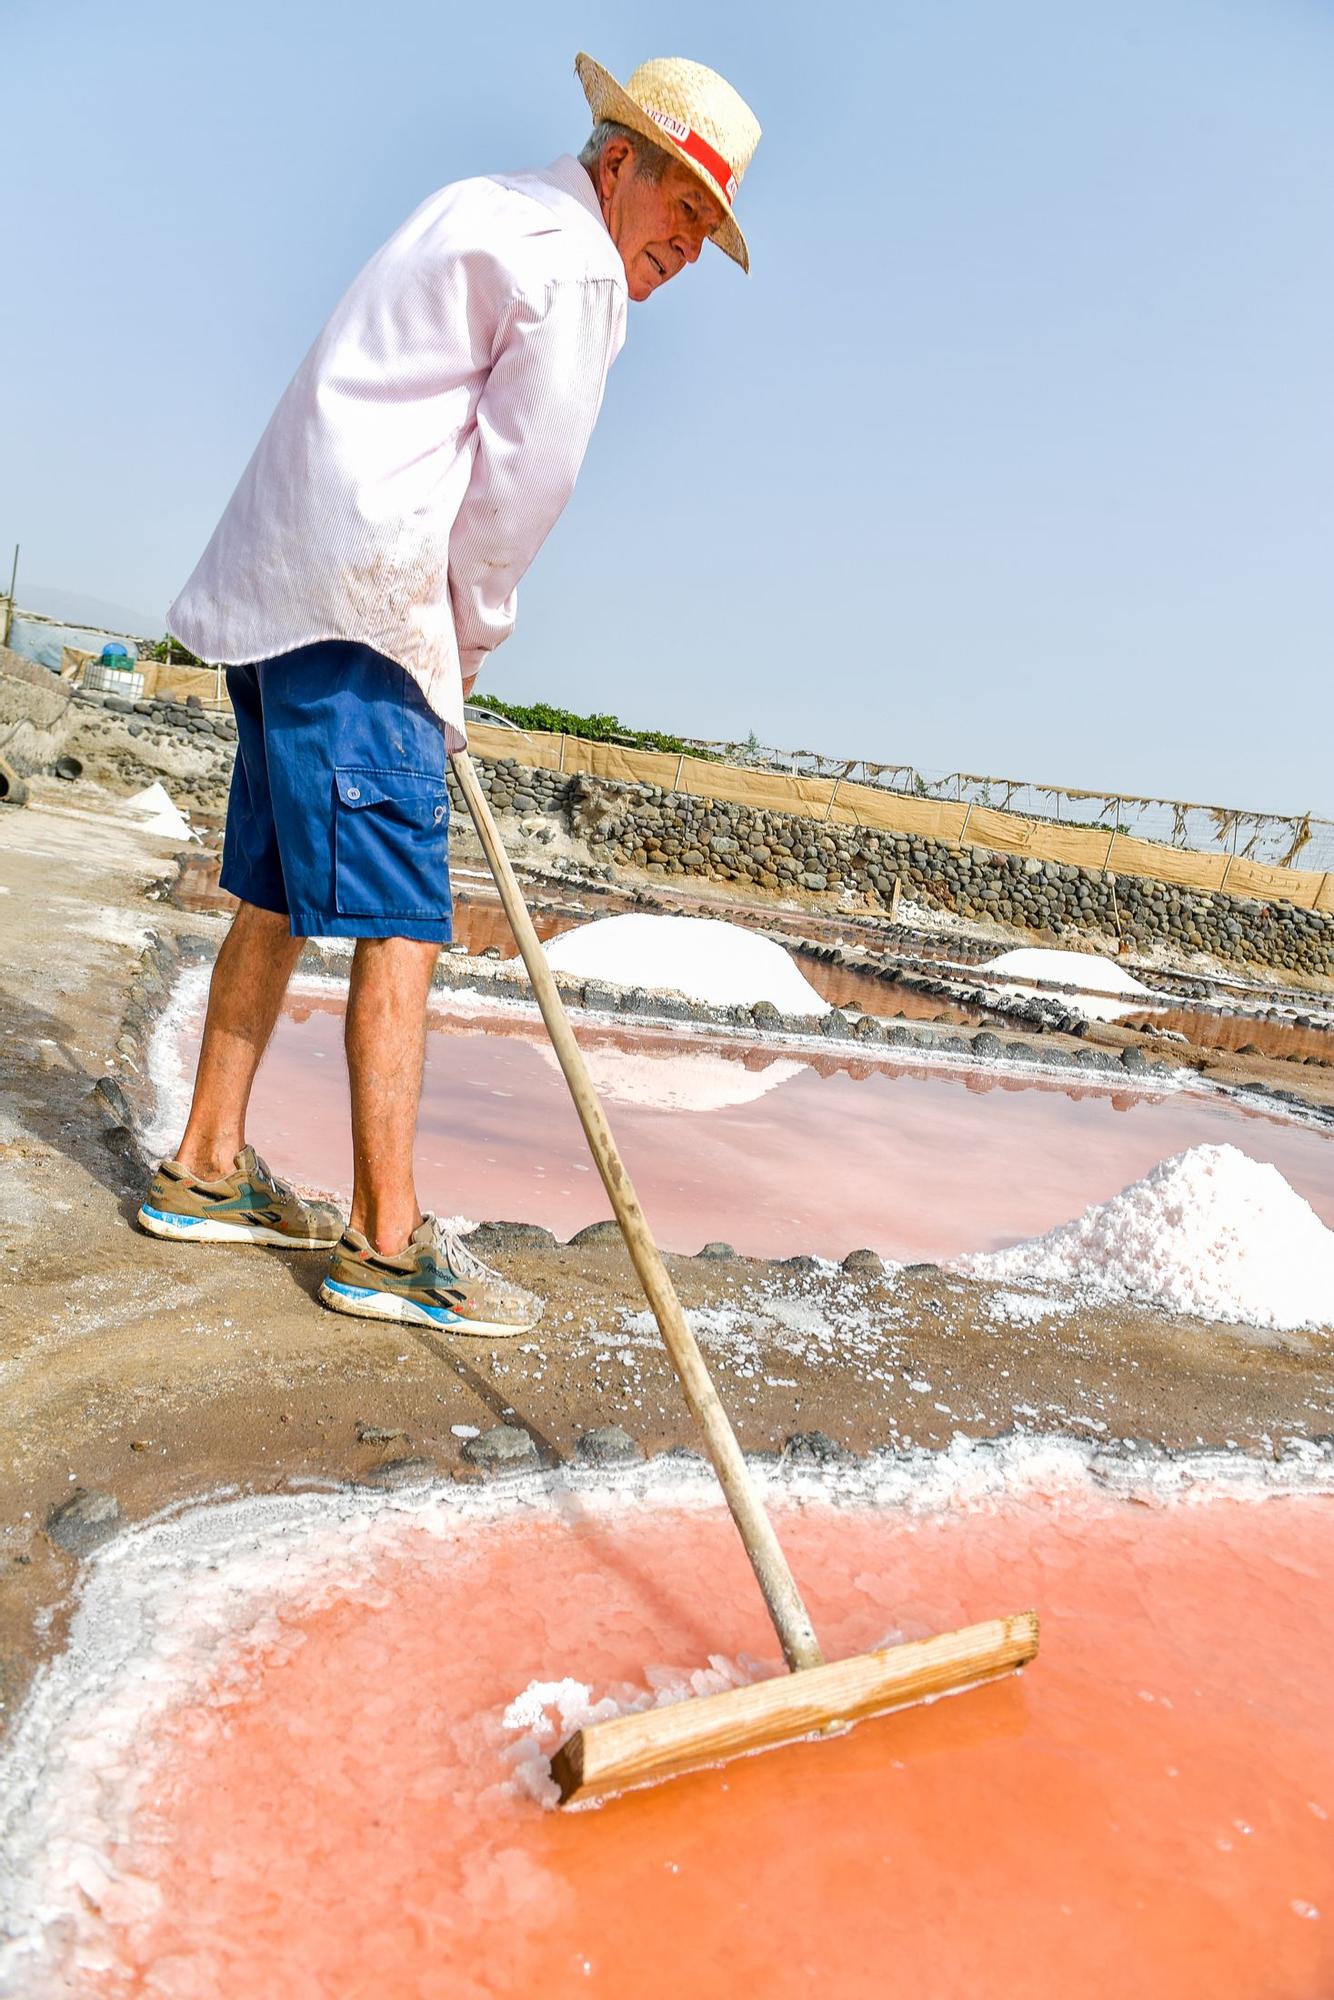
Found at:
[529, 1710]
[1025, 1308]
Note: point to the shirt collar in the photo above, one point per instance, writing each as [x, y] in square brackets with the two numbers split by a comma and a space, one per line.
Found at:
[573, 176]
[566, 179]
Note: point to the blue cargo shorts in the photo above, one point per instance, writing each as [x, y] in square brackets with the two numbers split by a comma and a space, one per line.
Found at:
[338, 817]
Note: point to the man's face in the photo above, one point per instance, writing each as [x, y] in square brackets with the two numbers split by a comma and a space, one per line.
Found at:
[657, 226]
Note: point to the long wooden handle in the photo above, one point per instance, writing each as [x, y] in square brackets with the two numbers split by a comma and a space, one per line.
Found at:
[791, 1619]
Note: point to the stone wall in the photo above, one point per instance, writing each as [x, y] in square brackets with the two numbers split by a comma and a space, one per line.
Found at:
[119, 743]
[667, 834]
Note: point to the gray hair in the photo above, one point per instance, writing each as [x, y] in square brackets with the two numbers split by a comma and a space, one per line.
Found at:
[650, 160]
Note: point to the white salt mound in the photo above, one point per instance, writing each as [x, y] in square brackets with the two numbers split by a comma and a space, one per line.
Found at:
[1083, 969]
[1210, 1232]
[715, 963]
[157, 811]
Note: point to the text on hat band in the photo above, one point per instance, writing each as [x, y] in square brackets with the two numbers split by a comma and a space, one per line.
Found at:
[699, 149]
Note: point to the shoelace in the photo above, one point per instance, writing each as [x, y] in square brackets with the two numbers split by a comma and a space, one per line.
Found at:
[464, 1263]
[265, 1172]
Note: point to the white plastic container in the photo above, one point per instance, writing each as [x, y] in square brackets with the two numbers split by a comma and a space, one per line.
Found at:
[100, 678]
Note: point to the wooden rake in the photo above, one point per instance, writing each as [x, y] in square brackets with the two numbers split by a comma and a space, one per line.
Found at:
[815, 1697]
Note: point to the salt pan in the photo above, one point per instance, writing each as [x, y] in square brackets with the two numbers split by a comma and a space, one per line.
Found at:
[1210, 1232]
[216, 1787]
[715, 963]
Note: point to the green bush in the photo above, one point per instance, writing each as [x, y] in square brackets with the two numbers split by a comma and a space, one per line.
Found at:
[594, 728]
[180, 655]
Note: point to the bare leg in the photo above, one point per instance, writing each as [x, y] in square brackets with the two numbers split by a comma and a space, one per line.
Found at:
[257, 959]
[386, 1049]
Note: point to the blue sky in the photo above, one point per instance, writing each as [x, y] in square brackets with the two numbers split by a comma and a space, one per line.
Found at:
[1013, 455]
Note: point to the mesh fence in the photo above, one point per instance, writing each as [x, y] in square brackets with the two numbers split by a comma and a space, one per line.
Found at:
[1280, 840]
[849, 800]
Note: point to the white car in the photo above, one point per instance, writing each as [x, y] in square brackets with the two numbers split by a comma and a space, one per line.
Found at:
[473, 712]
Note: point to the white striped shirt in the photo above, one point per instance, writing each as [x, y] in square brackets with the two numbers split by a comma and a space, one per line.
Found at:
[428, 442]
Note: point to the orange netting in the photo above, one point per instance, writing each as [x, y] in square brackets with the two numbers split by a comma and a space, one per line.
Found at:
[840, 801]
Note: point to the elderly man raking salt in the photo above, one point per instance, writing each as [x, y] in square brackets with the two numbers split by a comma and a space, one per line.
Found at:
[363, 571]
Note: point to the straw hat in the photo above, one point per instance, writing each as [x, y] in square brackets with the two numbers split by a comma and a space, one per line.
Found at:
[694, 115]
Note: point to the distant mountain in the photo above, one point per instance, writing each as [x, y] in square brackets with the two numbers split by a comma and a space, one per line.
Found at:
[81, 609]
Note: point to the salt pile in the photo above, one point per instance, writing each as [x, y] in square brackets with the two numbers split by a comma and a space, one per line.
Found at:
[1082, 969]
[714, 963]
[1085, 969]
[157, 812]
[1210, 1232]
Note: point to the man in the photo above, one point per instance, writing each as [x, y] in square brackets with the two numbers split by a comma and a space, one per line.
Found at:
[363, 571]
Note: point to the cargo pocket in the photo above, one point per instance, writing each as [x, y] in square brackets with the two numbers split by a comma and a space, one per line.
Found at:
[391, 844]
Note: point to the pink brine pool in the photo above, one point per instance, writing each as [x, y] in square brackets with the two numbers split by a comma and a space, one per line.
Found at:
[774, 1152]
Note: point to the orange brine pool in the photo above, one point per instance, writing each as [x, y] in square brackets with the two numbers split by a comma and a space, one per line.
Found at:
[331, 1809]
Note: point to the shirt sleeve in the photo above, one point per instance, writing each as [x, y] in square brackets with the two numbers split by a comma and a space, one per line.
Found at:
[534, 420]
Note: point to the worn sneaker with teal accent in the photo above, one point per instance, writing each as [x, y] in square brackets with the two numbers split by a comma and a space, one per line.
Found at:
[436, 1281]
[250, 1205]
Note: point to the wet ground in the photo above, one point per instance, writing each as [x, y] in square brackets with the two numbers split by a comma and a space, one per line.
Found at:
[1239, 1032]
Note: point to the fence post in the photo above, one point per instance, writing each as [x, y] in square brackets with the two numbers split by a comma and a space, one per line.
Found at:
[9, 601]
[1231, 857]
[964, 828]
[834, 794]
[680, 766]
[1107, 858]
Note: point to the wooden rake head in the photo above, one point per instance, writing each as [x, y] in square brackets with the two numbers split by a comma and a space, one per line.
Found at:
[643, 1749]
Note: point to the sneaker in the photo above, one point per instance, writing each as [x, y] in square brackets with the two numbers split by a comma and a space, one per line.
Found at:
[250, 1206]
[436, 1281]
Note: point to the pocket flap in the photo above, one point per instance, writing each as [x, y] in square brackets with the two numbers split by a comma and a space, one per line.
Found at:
[415, 795]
